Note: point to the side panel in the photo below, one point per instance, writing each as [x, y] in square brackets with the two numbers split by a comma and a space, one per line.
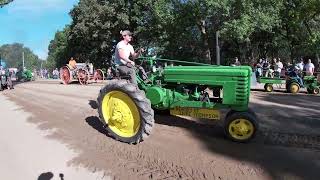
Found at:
[235, 81]
[271, 80]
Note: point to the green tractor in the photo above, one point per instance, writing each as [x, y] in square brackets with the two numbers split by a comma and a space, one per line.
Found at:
[308, 82]
[195, 90]
[24, 75]
[294, 83]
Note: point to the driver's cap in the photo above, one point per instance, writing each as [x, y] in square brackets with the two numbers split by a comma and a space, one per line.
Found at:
[126, 32]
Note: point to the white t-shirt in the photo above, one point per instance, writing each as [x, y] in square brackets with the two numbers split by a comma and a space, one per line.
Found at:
[278, 66]
[300, 66]
[309, 68]
[128, 49]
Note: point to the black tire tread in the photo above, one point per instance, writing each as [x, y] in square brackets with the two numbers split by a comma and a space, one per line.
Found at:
[143, 104]
[291, 85]
[266, 86]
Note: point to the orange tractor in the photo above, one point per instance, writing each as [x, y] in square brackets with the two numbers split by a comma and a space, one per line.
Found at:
[82, 72]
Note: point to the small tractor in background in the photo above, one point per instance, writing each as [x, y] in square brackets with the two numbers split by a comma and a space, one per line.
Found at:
[83, 72]
[5, 80]
[311, 83]
[24, 75]
[293, 83]
[195, 90]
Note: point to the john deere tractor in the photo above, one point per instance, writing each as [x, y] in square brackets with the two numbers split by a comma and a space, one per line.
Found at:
[194, 89]
[24, 75]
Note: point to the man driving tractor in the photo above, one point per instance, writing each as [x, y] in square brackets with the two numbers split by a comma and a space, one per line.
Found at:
[72, 63]
[122, 53]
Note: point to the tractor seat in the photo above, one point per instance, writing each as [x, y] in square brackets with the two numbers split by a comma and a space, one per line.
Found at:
[118, 74]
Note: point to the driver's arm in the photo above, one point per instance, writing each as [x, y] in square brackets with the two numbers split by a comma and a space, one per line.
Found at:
[135, 55]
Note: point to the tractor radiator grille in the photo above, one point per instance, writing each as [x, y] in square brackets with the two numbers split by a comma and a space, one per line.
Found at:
[242, 90]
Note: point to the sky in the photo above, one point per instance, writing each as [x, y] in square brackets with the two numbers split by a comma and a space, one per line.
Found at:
[34, 22]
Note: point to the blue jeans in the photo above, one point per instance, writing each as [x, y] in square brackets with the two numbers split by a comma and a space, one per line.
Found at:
[300, 81]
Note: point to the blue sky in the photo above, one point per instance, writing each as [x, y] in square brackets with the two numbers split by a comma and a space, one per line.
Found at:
[34, 22]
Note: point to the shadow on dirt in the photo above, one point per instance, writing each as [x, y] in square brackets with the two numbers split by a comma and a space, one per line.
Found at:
[95, 123]
[49, 176]
[93, 104]
[287, 145]
[288, 121]
[275, 90]
[46, 176]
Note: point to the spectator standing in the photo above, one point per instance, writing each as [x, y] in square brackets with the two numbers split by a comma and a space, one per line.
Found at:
[237, 62]
[259, 69]
[309, 68]
[55, 74]
[266, 67]
[300, 65]
[278, 67]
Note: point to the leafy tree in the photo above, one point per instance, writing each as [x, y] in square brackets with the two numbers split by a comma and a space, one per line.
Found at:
[4, 2]
[185, 29]
[12, 54]
[59, 51]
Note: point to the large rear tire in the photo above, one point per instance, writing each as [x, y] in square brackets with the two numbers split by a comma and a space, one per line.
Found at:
[83, 76]
[65, 75]
[125, 111]
[98, 76]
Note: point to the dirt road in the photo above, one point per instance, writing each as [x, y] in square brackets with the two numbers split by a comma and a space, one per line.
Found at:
[287, 147]
[26, 153]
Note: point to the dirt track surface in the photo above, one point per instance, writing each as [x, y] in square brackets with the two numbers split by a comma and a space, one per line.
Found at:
[286, 147]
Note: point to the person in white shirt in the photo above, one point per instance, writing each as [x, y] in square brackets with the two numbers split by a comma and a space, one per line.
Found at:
[278, 67]
[300, 65]
[309, 68]
[122, 53]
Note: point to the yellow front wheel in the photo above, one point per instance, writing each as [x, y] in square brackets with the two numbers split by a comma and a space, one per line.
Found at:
[268, 87]
[241, 126]
[125, 111]
[294, 88]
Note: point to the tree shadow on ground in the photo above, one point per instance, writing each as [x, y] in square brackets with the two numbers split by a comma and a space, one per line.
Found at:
[287, 145]
[46, 176]
[275, 90]
[93, 104]
[49, 176]
[95, 123]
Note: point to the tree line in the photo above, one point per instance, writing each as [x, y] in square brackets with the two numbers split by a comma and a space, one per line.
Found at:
[4, 2]
[12, 54]
[186, 30]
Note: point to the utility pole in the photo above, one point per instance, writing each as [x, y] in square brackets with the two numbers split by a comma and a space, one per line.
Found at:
[22, 59]
[217, 48]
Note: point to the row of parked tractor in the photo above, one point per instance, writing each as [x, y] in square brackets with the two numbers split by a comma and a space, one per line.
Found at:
[7, 76]
[293, 81]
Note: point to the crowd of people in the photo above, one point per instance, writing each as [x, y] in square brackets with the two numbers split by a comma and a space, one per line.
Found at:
[46, 74]
[277, 69]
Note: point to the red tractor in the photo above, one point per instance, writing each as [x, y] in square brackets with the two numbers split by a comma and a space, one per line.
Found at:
[82, 72]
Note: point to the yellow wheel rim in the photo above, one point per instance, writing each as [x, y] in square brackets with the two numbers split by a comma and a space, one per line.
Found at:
[121, 114]
[269, 88]
[294, 88]
[241, 129]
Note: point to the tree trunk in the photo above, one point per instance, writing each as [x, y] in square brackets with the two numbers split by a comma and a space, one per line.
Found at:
[205, 40]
